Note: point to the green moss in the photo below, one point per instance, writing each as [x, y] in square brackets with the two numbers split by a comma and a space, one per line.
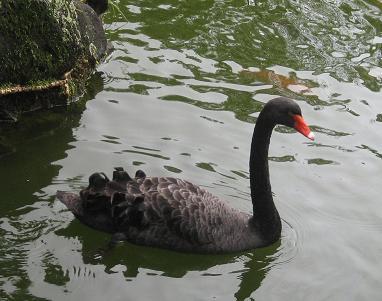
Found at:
[5, 85]
[72, 89]
[40, 82]
[39, 39]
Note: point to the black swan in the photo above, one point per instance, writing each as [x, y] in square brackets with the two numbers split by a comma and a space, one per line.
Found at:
[176, 214]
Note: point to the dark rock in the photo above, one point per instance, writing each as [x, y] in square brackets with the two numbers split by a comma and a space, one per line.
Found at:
[92, 32]
[99, 6]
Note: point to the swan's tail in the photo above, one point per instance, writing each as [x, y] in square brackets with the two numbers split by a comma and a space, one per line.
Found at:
[98, 220]
[108, 205]
[71, 200]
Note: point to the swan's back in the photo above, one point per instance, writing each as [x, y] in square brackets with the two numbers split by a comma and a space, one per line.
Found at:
[163, 212]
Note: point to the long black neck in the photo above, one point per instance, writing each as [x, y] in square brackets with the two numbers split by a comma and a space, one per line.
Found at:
[266, 219]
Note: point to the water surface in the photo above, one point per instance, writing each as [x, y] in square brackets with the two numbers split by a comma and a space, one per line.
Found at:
[179, 96]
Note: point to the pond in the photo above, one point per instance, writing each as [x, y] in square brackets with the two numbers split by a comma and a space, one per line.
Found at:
[179, 96]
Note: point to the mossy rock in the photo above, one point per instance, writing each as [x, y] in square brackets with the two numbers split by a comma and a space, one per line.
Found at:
[46, 45]
[39, 39]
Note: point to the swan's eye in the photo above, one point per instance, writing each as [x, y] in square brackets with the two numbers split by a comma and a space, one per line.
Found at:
[292, 114]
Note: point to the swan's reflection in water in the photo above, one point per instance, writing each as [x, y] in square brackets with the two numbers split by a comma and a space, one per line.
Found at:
[249, 268]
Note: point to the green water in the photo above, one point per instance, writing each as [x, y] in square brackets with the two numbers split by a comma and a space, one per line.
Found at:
[179, 96]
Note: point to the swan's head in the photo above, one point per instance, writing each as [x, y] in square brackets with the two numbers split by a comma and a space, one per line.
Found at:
[287, 112]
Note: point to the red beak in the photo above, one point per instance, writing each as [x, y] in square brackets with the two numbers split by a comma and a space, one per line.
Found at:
[301, 127]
